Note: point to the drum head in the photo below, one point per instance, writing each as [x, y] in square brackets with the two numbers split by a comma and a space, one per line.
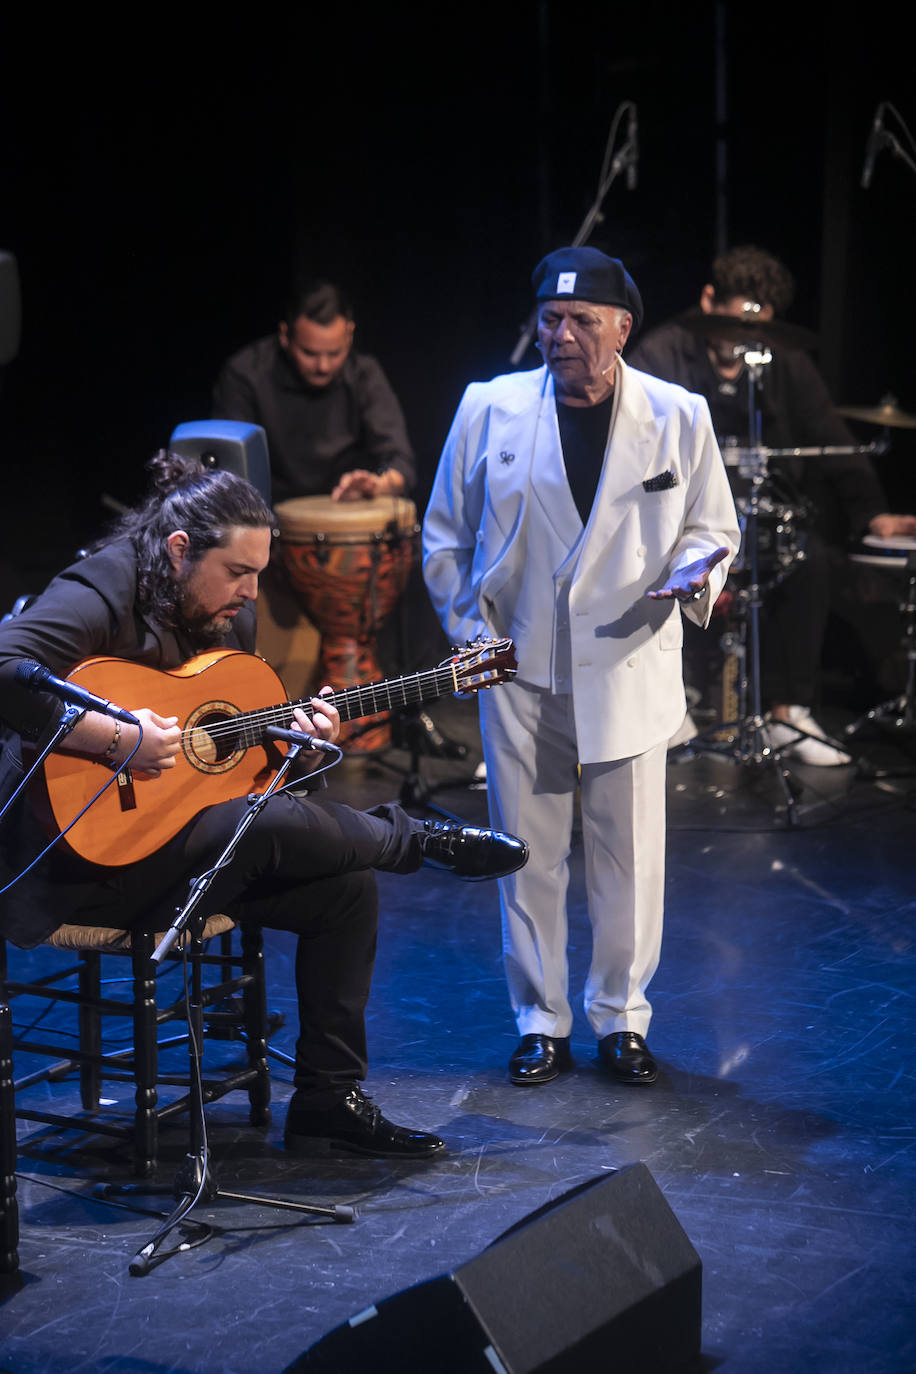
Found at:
[884, 553]
[319, 517]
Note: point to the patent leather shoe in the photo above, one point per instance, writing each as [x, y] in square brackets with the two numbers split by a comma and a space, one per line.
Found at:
[626, 1057]
[470, 852]
[355, 1125]
[539, 1059]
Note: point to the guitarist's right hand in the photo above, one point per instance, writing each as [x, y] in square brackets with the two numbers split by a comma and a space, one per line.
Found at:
[161, 743]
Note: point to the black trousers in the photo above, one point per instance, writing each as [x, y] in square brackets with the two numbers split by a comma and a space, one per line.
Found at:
[304, 866]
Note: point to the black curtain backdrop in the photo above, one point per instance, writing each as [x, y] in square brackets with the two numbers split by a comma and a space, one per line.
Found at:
[159, 189]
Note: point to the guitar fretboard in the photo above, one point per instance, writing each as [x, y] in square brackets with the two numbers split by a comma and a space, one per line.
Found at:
[354, 703]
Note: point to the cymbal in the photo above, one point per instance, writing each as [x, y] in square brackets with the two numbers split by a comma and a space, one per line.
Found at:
[731, 329]
[888, 413]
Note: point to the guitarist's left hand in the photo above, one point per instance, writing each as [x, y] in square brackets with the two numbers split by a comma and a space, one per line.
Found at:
[325, 721]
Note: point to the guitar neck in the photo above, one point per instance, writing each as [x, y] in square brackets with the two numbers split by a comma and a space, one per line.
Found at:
[354, 703]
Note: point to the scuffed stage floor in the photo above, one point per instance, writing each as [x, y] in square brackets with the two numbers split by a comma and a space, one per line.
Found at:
[781, 1130]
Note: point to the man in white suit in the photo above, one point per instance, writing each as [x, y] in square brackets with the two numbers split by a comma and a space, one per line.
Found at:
[577, 508]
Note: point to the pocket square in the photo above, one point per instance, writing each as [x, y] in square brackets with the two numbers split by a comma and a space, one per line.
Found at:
[663, 482]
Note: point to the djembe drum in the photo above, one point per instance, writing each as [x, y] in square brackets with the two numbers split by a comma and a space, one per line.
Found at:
[348, 563]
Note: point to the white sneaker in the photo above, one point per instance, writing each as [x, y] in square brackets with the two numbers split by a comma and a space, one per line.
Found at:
[816, 752]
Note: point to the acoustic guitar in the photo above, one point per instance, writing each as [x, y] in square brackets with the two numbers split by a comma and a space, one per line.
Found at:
[221, 701]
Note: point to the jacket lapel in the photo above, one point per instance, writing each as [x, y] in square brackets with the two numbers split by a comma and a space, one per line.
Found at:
[525, 461]
[629, 456]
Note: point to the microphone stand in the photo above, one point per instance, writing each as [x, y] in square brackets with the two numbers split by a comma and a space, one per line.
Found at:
[623, 161]
[195, 1181]
[70, 716]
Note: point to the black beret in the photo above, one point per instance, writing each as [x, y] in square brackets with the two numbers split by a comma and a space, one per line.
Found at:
[587, 274]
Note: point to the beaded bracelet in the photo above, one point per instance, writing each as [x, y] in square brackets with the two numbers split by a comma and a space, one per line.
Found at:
[109, 755]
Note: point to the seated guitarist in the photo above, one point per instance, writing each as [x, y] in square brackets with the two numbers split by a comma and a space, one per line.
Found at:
[179, 577]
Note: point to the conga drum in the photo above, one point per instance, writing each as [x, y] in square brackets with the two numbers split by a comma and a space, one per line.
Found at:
[348, 563]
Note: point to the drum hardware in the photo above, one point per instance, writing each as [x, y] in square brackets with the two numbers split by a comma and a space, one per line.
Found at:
[899, 712]
[739, 330]
[746, 459]
[887, 414]
[746, 737]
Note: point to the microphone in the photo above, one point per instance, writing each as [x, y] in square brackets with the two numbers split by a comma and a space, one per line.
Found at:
[301, 738]
[633, 144]
[41, 679]
[873, 146]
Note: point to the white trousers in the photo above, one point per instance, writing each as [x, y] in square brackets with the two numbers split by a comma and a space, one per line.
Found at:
[530, 751]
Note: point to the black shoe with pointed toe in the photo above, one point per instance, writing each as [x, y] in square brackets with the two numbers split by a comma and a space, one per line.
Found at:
[355, 1125]
[470, 852]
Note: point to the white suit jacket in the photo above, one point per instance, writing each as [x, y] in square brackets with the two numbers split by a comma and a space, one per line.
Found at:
[505, 554]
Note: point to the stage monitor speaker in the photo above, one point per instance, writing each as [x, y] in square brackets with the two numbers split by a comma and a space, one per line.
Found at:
[231, 444]
[601, 1280]
[10, 308]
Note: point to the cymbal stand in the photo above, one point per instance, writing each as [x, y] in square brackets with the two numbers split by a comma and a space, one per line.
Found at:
[747, 740]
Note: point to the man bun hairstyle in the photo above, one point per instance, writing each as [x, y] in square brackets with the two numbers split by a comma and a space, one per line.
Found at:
[207, 503]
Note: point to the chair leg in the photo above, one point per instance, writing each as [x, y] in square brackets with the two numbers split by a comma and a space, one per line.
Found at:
[255, 1008]
[9, 1210]
[146, 1055]
[90, 1029]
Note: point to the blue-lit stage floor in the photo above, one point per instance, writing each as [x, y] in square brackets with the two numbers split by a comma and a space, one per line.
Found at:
[781, 1130]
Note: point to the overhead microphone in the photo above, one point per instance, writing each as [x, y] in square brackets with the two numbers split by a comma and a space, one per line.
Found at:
[41, 679]
[876, 140]
[301, 738]
[633, 144]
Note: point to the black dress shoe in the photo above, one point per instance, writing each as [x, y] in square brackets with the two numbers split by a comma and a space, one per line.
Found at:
[539, 1058]
[626, 1057]
[471, 853]
[356, 1125]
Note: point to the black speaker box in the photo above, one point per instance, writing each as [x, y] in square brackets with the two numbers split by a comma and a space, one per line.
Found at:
[603, 1279]
[231, 444]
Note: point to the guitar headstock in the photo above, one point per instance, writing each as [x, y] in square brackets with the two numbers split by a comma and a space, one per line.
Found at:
[483, 663]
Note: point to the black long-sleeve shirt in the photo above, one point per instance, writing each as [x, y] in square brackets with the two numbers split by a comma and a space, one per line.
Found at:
[796, 412]
[315, 435]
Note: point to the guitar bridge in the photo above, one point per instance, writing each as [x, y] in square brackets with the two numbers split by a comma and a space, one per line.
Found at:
[126, 790]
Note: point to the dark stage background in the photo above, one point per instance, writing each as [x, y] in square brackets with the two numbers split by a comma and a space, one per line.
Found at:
[158, 190]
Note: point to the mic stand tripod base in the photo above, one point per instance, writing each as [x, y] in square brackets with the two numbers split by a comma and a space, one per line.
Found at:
[747, 742]
[195, 1181]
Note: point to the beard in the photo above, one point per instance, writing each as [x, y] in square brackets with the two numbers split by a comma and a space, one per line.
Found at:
[201, 628]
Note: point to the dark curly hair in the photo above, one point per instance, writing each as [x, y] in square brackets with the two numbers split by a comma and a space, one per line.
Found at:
[206, 503]
[755, 274]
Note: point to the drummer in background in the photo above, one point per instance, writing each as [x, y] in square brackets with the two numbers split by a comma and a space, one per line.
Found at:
[845, 497]
[334, 426]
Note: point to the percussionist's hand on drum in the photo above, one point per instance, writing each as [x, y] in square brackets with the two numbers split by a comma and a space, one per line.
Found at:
[887, 526]
[687, 584]
[360, 485]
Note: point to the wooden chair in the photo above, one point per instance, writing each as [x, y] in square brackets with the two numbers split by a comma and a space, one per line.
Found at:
[9, 1212]
[234, 1007]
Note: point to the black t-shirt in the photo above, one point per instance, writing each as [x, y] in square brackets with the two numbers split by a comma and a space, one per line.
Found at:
[583, 435]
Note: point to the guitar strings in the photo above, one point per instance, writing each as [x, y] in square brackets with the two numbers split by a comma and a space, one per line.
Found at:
[410, 688]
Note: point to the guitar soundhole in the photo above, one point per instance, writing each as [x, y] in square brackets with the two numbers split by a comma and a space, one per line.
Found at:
[211, 741]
